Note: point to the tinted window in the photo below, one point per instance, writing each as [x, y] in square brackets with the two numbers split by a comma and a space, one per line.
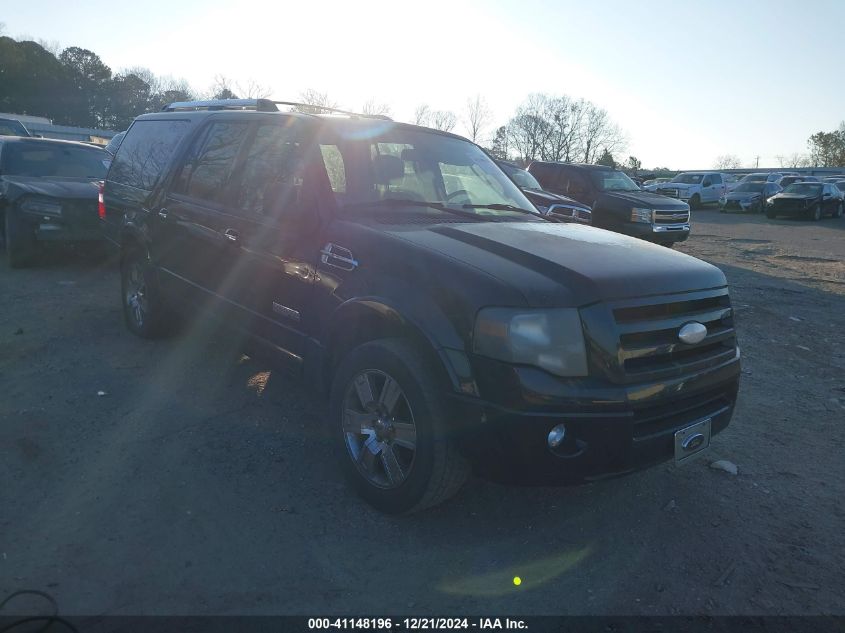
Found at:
[205, 174]
[146, 151]
[335, 167]
[607, 180]
[58, 160]
[271, 179]
[12, 128]
[716, 179]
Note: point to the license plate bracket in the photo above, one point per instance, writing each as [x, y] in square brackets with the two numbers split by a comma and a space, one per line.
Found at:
[692, 440]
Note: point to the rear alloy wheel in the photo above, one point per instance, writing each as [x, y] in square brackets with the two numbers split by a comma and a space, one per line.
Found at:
[391, 429]
[143, 309]
[20, 241]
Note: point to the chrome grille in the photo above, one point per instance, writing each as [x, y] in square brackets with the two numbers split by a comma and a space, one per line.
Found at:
[671, 217]
[671, 192]
[647, 346]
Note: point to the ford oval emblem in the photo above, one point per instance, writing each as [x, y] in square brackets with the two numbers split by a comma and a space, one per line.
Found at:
[693, 442]
[692, 333]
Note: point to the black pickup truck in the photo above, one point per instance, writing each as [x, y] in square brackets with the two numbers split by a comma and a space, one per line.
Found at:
[410, 282]
[617, 202]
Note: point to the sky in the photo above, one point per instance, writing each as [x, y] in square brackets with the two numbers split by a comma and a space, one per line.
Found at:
[686, 81]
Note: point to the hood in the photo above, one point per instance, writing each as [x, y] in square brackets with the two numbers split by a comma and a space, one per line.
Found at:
[680, 186]
[547, 198]
[794, 196]
[64, 188]
[567, 265]
[647, 199]
[742, 195]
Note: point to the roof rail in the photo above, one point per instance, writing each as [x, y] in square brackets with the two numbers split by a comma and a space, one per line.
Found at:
[262, 105]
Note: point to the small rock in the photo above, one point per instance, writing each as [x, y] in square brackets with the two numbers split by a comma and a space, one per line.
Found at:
[723, 464]
[101, 393]
[671, 505]
[792, 318]
[19, 331]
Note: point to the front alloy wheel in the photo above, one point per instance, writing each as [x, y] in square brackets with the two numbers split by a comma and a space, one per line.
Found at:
[393, 428]
[378, 422]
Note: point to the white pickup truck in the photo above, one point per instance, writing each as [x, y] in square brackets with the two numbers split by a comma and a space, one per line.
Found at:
[695, 187]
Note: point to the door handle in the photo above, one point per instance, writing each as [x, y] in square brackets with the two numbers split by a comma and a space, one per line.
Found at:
[232, 235]
[162, 213]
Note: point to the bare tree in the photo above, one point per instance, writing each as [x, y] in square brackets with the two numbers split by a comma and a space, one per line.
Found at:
[222, 88]
[318, 101]
[51, 46]
[794, 160]
[443, 120]
[728, 161]
[529, 129]
[373, 108]
[253, 90]
[422, 115]
[599, 131]
[2, 28]
[477, 117]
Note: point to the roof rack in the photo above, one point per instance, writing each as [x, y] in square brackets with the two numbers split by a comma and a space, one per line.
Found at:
[261, 105]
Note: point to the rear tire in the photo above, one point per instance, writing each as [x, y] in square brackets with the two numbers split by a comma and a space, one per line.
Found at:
[20, 240]
[815, 214]
[403, 468]
[839, 211]
[144, 309]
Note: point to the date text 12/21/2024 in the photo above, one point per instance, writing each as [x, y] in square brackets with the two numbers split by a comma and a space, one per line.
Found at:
[416, 624]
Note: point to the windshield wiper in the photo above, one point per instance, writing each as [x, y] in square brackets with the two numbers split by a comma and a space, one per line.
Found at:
[501, 207]
[403, 202]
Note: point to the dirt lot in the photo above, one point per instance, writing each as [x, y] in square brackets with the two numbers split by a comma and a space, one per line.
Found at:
[201, 483]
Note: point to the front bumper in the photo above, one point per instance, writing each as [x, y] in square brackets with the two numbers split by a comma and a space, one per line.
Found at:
[610, 429]
[661, 233]
[740, 206]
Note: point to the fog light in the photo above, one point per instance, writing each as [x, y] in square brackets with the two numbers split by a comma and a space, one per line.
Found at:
[557, 435]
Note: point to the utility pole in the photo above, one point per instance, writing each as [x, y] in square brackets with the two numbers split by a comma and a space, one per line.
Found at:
[758, 163]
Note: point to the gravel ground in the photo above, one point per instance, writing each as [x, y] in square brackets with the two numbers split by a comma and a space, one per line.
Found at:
[200, 482]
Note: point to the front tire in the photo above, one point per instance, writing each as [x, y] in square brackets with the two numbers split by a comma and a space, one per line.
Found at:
[390, 429]
[815, 213]
[695, 202]
[839, 211]
[144, 311]
[20, 241]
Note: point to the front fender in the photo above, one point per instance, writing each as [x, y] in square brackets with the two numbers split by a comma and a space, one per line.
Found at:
[415, 318]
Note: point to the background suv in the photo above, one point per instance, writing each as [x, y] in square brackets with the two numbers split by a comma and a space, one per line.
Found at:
[617, 202]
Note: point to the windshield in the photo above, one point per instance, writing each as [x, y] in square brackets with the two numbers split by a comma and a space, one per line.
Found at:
[804, 188]
[612, 181]
[11, 127]
[58, 160]
[521, 177]
[750, 187]
[391, 166]
[688, 179]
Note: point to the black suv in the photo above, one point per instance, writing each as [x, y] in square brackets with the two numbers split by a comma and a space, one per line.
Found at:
[552, 205]
[617, 202]
[397, 267]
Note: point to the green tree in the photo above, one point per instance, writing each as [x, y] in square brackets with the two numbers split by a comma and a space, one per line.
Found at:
[91, 80]
[633, 164]
[499, 148]
[827, 149]
[606, 159]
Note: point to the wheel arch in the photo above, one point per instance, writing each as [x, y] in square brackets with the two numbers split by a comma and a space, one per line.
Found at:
[361, 320]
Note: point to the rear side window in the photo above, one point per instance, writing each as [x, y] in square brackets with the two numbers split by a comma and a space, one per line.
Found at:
[271, 180]
[207, 169]
[146, 151]
[545, 174]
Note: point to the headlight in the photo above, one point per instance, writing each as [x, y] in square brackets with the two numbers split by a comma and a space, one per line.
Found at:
[543, 210]
[550, 339]
[41, 206]
[642, 215]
